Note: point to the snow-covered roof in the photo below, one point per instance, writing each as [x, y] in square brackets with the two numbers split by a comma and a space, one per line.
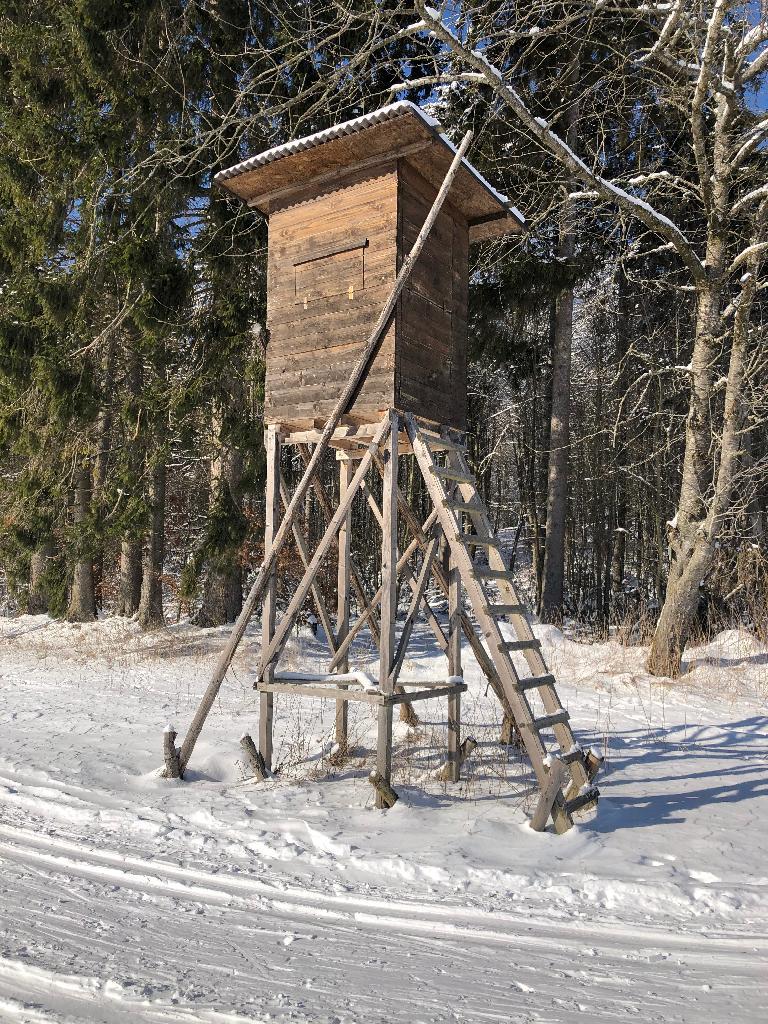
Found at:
[352, 127]
[356, 124]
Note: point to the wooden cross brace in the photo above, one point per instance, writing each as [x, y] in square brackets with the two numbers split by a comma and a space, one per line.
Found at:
[317, 597]
[441, 578]
[275, 646]
[355, 577]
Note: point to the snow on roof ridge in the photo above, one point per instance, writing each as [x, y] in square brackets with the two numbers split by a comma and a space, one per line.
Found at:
[348, 128]
[326, 135]
[504, 200]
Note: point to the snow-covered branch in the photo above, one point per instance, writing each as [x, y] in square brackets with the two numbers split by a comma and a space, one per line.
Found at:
[757, 193]
[552, 142]
[755, 136]
[698, 126]
[669, 29]
[748, 254]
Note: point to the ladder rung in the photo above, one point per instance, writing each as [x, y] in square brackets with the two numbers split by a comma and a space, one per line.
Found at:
[474, 540]
[571, 756]
[491, 574]
[437, 443]
[506, 609]
[534, 682]
[460, 506]
[581, 801]
[446, 473]
[520, 645]
[547, 721]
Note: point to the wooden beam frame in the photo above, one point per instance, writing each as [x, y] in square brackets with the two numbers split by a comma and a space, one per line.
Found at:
[329, 691]
[454, 669]
[317, 596]
[372, 344]
[376, 599]
[268, 610]
[273, 649]
[388, 603]
[326, 507]
[342, 598]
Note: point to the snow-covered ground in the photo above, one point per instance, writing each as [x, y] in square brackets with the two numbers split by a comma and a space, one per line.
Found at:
[125, 897]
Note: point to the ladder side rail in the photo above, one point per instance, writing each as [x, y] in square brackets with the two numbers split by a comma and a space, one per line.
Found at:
[478, 600]
[520, 623]
[484, 660]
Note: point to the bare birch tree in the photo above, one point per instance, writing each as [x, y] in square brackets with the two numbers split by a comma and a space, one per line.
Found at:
[704, 60]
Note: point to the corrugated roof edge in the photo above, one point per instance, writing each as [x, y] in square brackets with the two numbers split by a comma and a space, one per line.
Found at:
[356, 124]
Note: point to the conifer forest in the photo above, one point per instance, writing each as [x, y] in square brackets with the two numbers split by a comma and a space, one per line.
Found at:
[383, 511]
[618, 377]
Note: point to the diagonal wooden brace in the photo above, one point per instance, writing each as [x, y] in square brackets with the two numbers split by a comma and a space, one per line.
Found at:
[479, 651]
[415, 605]
[278, 641]
[355, 628]
[407, 575]
[355, 576]
[317, 597]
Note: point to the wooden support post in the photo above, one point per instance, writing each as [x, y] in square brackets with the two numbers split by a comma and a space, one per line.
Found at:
[388, 604]
[454, 618]
[549, 791]
[342, 603]
[254, 758]
[171, 754]
[454, 668]
[445, 774]
[454, 736]
[385, 795]
[271, 519]
[593, 762]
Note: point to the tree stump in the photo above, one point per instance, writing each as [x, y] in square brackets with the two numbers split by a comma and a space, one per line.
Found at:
[388, 796]
[171, 754]
[254, 758]
[466, 748]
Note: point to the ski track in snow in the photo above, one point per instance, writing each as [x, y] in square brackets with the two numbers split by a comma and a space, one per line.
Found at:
[124, 897]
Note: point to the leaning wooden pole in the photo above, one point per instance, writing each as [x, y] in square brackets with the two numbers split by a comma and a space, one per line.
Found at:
[286, 525]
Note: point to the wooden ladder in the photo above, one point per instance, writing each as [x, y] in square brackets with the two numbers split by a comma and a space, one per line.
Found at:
[459, 507]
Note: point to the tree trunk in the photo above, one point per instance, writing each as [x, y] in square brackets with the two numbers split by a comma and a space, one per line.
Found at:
[37, 604]
[223, 591]
[82, 602]
[151, 602]
[694, 547]
[557, 478]
[130, 578]
[619, 522]
[131, 544]
[100, 466]
[551, 607]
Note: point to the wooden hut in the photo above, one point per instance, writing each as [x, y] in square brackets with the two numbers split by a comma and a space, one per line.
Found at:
[344, 207]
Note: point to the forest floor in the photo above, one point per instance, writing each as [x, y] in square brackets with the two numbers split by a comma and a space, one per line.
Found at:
[126, 897]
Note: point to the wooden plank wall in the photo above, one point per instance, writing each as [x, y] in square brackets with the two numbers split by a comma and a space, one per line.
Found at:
[430, 371]
[320, 313]
[333, 257]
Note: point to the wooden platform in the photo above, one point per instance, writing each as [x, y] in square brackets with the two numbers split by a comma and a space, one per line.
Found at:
[353, 434]
[323, 687]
